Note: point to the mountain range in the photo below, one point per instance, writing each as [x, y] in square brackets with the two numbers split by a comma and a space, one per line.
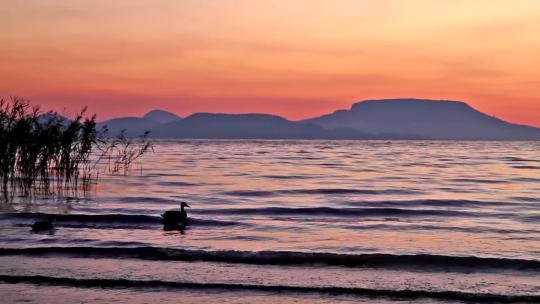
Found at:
[403, 118]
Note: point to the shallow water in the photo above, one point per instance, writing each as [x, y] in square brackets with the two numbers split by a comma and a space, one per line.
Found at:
[439, 220]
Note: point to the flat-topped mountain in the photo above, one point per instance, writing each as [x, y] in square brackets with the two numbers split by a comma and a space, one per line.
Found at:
[435, 119]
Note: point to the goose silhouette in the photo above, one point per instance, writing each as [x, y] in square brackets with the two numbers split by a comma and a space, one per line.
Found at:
[174, 219]
[45, 225]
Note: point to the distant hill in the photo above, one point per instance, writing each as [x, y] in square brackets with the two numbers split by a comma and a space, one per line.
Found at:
[247, 126]
[370, 119]
[435, 119]
[50, 116]
[135, 126]
[161, 116]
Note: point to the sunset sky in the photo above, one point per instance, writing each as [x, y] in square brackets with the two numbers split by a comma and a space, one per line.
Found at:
[297, 59]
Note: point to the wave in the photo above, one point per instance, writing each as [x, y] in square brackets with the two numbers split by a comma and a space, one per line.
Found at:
[427, 227]
[370, 260]
[431, 203]
[534, 218]
[146, 199]
[176, 184]
[345, 212]
[333, 191]
[526, 167]
[139, 219]
[94, 218]
[481, 181]
[518, 159]
[356, 291]
[527, 199]
[289, 176]
[110, 220]
[526, 179]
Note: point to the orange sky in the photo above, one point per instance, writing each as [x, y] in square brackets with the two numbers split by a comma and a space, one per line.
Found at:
[296, 58]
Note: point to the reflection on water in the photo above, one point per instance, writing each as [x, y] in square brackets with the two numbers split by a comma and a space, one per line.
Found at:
[444, 198]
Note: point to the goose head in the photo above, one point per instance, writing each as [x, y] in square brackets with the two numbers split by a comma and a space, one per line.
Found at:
[184, 204]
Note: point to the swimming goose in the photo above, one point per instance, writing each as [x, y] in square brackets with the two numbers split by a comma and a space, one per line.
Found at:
[43, 225]
[175, 216]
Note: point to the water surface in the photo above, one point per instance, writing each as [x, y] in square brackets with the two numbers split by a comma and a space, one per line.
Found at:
[381, 221]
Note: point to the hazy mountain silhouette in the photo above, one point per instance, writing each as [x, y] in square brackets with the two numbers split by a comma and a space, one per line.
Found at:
[161, 116]
[135, 126]
[244, 126]
[370, 119]
[437, 119]
[49, 116]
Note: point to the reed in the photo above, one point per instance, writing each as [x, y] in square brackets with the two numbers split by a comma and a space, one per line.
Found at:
[46, 154]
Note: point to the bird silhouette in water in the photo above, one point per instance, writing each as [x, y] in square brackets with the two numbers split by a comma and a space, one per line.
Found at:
[46, 225]
[174, 219]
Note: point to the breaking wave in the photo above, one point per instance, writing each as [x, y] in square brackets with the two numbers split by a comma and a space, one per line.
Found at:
[372, 260]
[369, 292]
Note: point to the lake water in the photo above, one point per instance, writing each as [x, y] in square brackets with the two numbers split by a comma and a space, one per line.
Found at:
[290, 222]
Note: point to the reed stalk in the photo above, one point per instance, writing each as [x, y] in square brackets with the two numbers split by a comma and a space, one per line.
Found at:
[47, 154]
